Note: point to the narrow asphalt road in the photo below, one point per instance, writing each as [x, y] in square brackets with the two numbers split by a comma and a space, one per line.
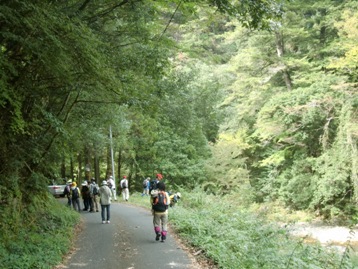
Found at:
[128, 242]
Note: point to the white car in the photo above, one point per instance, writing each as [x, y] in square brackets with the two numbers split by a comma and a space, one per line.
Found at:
[57, 189]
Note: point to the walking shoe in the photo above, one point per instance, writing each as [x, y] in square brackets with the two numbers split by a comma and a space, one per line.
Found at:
[157, 237]
[163, 238]
[108, 221]
[103, 222]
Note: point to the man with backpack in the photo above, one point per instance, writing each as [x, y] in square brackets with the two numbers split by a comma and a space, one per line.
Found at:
[154, 182]
[146, 185]
[75, 196]
[112, 187]
[94, 194]
[124, 187]
[160, 201]
[67, 192]
[86, 196]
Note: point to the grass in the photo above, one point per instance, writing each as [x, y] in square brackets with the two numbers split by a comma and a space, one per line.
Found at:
[37, 237]
[232, 235]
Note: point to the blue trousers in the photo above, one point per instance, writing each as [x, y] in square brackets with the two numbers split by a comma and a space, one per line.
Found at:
[103, 209]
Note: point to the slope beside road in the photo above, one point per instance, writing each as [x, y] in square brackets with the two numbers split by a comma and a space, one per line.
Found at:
[128, 242]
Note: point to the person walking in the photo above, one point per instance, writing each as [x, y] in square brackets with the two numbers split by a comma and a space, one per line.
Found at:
[146, 184]
[112, 187]
[105, 201]
[75, 197]
[86, 196]
[153, 184]
[94, 189]
[124, 187]
[67, 192]
[160, 202]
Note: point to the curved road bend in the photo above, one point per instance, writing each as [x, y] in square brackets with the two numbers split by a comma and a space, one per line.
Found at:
[128, 242]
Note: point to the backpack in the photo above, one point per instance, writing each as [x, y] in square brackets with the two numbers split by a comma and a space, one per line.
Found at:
[95, 190]
[160, 203]
[123, 184]
[145, 183]
[66, 190]
[75, 193]
[153, 185]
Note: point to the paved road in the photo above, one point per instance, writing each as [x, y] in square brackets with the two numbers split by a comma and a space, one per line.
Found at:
[128, 242]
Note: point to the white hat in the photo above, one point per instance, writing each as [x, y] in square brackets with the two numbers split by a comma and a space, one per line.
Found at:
[104, 182]
[84, 183]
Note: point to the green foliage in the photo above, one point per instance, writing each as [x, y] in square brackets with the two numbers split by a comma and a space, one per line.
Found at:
[284, 139]
[233, 237]
[37, 236]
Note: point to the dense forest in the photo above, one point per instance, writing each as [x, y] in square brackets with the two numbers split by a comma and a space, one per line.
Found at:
[254, 97]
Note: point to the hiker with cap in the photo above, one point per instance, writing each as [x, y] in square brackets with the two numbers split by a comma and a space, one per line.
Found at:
[94, 189]
[105, 201]
[153, 184]
[160, 201]
[75, 196]
[146, 185]
[86, 196]
[67, 192]
[112, 187]
[124, 187]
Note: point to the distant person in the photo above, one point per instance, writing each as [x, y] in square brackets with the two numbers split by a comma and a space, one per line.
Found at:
[112, 187]
[146, 185]
[174, 198]
[86, 196]
[154, 182]
[75, 196]
[160, 202]
[124, 187]
[105, 200]
[67, 192]
[94, 189]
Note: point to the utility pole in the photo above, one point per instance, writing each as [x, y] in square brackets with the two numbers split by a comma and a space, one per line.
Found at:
[112, 158]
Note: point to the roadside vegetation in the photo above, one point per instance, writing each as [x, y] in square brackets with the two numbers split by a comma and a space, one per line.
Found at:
[254, 100]
[36, 237]
[231, 235]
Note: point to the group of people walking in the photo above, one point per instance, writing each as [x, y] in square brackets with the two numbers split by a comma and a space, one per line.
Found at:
[93, 195]
[89, 192]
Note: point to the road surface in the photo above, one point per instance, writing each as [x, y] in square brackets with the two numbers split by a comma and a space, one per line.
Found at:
[128, 242]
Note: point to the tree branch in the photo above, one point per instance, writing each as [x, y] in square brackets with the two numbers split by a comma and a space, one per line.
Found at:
[109, 10]
[171, 19]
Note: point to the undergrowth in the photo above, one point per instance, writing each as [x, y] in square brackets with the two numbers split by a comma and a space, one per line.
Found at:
[235, 237]
[36, 236]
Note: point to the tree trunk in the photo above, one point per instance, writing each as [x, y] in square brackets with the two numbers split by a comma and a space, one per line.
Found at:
[280, 53]
[72, 175]
[63, 167]
[119, 163]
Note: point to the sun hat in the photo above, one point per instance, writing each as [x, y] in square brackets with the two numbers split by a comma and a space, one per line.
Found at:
[104, 182]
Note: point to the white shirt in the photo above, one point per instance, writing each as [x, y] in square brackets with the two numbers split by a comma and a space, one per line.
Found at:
[111, 182]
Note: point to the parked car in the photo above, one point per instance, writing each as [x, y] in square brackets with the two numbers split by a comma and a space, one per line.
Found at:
[57, 189]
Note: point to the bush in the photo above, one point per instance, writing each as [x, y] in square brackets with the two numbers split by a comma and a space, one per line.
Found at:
[38, 236]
